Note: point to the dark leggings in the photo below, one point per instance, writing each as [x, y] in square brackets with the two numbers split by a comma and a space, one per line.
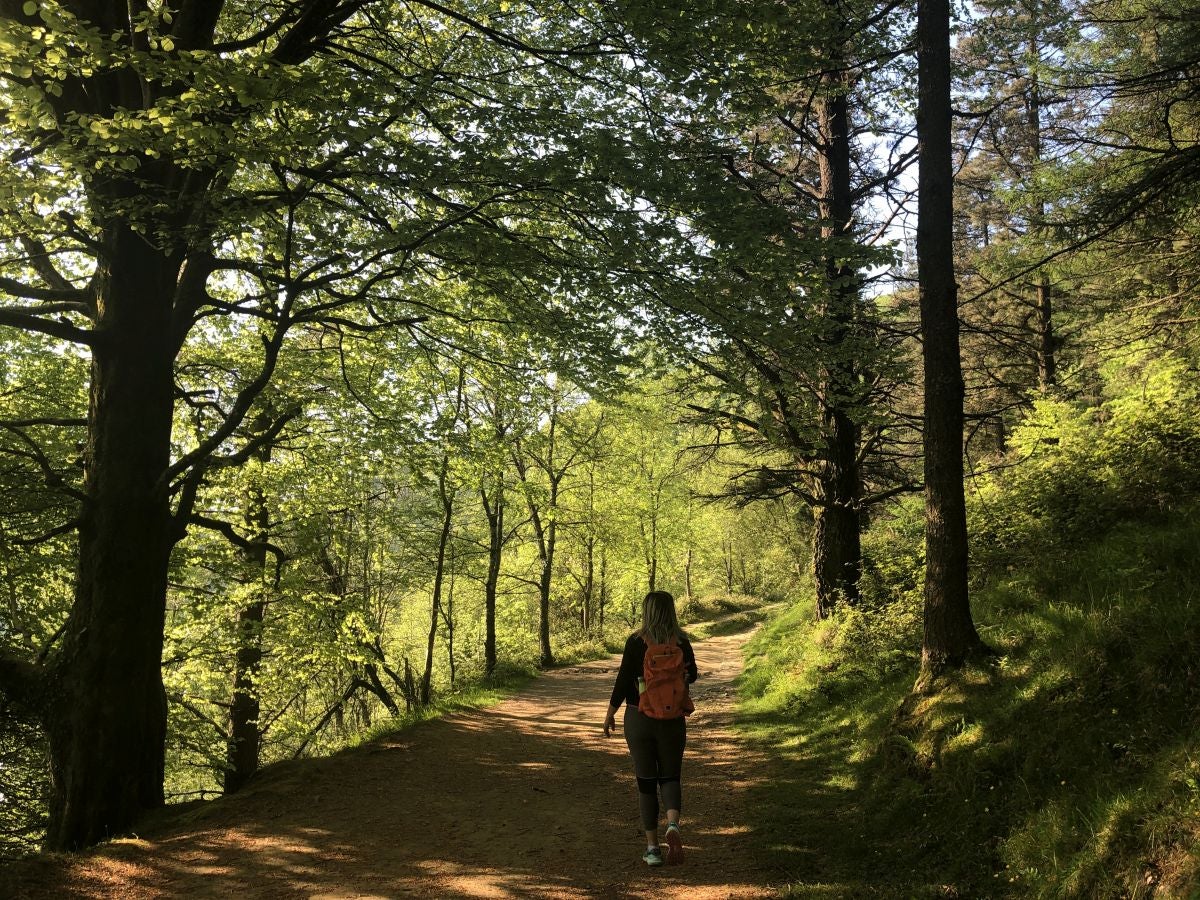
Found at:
[656, 746]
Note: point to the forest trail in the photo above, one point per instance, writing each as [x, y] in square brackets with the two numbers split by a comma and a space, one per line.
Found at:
[526, 799]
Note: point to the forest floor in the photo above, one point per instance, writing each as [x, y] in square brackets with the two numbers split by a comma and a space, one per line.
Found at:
[525, 799]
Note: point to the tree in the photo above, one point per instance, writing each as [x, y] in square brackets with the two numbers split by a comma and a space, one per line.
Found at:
[495, 420]
[176, 165]
[245, 734]
[542, 462]
[792, 345]
[1024, 309]
[950, 635]
[447, 423]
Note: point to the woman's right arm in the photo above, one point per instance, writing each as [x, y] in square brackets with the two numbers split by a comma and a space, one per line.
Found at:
[625, 677]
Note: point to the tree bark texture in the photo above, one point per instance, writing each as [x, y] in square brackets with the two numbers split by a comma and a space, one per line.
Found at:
[950, 635]
[651, 542]
[245, 738]
[107, 723]
[448, 620]
[1043, 297]
[687, 574]
[837, 557]
[603, 584]
[1047, 366]
[544, 585]
[447, 499]
[589, 583]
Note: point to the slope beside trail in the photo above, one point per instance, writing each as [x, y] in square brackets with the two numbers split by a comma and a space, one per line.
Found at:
[526, 799]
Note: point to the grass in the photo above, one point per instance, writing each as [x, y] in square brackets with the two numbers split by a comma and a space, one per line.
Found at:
[724, 614]
[1067, 768]
[731, 624]
[503, 684]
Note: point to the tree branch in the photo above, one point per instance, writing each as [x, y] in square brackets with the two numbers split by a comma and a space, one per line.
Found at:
[21, 681]
[229, 532]
[200, 714]
[15, 318]
[39, 258]
[77, 297]
[64, 528]
[356, 684]
[54, 479]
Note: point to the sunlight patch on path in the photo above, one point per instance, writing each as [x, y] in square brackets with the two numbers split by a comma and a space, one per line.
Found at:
[525, 800]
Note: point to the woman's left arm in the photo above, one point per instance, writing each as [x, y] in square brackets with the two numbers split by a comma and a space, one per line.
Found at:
[689, 658]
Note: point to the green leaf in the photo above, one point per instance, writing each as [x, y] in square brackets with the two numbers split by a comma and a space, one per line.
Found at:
[29, 8]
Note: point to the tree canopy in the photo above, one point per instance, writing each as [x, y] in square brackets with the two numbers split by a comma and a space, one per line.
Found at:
[354, 351]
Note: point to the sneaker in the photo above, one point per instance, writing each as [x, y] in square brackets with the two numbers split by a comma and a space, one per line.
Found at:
[674, 846]
[653, 856]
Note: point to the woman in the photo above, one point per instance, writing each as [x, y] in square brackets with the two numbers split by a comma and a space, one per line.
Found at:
[656, 744]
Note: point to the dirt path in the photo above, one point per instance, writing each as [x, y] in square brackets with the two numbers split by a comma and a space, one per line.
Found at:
[526, 799]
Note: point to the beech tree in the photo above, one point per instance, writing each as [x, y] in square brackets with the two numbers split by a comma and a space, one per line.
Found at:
[175, 164]
[118, 127]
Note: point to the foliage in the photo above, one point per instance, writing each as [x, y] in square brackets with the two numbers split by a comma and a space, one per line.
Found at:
[1084, 468]
[1060, 769]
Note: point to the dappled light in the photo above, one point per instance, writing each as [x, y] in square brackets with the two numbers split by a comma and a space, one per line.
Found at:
[372, 371]
[526, 799]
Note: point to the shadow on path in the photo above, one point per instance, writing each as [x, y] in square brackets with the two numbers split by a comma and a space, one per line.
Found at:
[526, 799]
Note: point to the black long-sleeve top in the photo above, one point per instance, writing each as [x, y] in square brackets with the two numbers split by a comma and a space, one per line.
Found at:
[632, 661]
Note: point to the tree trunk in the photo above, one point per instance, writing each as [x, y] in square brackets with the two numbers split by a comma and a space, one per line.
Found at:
[494, 510]
[448, 618]
[1047, 367]
[603, 584]
[107, 722]
[244, 742]
[837, 545]
[375, 685]
[650, 550]
[544, 584]
[837, 557]
[1043, 298]
[687, 574]
[245, 738]
[950, 635]
[589, 581]
[439, 573]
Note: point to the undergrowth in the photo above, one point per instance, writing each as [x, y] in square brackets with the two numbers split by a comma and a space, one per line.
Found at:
[502, 684]
[1068, 768]
[1069, 765]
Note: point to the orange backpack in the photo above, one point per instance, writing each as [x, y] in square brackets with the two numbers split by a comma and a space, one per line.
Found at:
[664, 692]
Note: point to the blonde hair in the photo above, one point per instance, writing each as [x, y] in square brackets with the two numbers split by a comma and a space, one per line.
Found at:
[659, 622]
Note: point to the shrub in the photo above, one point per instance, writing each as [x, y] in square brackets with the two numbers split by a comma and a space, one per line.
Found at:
[1077, 471]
